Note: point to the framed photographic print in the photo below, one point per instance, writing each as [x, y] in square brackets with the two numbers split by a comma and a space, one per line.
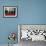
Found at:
[9, 11]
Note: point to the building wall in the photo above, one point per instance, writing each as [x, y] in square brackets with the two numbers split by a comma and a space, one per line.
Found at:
[29, 12]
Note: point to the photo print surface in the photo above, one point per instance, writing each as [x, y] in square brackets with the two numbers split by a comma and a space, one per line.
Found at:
[10, 11]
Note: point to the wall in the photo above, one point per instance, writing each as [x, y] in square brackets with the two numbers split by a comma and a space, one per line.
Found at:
[29, 12]
[32, 11]
[7, 25]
